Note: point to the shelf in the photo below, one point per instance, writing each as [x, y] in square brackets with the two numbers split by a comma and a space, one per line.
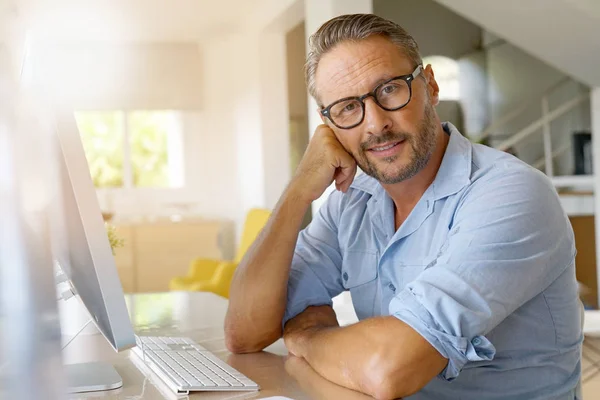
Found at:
[577, 182]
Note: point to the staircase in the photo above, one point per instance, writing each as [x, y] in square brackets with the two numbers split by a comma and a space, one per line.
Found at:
[576, 191]
[563, 34]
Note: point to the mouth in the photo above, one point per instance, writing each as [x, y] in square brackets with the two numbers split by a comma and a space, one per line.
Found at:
[387, 149]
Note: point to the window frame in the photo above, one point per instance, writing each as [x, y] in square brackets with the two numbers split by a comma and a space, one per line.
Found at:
[128, 184]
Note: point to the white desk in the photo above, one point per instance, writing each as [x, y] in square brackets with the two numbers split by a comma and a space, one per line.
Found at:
[200, 316]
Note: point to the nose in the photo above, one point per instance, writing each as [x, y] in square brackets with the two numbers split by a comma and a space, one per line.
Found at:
[377, 120]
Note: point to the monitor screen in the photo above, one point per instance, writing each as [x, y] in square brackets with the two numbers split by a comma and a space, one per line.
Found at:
[80, 240]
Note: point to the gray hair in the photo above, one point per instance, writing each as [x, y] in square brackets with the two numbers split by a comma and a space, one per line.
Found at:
[354, 27]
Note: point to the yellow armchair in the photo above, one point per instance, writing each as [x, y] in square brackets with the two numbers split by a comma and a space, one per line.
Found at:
[215, 275]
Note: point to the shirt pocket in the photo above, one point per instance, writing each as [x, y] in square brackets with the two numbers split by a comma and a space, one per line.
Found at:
[359, 276]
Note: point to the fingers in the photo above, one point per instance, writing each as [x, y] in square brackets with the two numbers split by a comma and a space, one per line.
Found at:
[345, 185]
[345, 173]
[327, 160]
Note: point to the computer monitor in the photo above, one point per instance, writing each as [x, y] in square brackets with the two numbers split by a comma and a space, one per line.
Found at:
[82, 249]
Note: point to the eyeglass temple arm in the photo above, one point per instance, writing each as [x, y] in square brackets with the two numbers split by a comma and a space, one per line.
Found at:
[417, 71]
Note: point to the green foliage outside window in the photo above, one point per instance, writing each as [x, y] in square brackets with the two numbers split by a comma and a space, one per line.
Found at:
[102, 137]
[103, 140]
[149, 148]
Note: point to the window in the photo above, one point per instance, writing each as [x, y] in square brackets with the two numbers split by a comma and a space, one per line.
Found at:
[133, 149]
[446, 73]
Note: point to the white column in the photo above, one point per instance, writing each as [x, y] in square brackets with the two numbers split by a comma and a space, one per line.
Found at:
[261, 119]
[247, 125]
[316, 13]
[247, 118]
[247, 108]
[595, 112]
[216, 142]
[275, 118]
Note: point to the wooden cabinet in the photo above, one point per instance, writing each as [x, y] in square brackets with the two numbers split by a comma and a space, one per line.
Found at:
[156, 252]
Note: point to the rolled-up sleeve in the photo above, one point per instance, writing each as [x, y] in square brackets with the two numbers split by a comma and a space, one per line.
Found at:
[315, 276]
[509, 241]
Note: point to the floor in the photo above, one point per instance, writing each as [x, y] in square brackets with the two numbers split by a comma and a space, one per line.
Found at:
[591, 368]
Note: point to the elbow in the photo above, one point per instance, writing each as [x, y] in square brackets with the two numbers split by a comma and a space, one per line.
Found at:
[237, 345]
[241, 341]
[382, 386]
[386, 380]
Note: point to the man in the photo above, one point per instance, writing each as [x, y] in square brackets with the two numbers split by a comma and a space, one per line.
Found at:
[458, 257]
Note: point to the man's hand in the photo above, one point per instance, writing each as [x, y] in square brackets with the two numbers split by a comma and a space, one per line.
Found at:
[382, 357]
[324, 161]
[298, 330]
[315, 386]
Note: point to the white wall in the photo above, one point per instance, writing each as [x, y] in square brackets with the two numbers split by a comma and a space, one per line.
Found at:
[517, 78]
[247, 122]
[108, 75]
[274, 115]
[437, 30]
[563, 33]
[474, 92]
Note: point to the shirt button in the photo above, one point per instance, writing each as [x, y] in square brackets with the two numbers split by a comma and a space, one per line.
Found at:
[345, 276]
[476, 341]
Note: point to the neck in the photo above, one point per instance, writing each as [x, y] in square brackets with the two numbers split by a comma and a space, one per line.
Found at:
[407, 193]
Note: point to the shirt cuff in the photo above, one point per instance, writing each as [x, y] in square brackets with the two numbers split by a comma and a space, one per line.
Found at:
[458, 350]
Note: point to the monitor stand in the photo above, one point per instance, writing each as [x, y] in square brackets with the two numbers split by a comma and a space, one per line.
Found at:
[92, 377]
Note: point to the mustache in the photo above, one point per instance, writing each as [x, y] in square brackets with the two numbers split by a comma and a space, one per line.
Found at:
[385, 138]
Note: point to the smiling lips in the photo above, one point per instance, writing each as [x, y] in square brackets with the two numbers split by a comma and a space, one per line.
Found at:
[386, 150]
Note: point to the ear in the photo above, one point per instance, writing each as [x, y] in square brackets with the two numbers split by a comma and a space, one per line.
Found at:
[432, 86]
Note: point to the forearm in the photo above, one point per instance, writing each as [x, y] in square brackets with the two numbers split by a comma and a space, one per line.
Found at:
[382, 357]
[341, 355]
[259, 286]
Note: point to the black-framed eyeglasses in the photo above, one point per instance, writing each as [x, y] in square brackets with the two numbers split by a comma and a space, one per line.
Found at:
[391, 95]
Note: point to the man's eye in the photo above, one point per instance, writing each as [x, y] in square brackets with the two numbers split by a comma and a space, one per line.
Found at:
[389, 89]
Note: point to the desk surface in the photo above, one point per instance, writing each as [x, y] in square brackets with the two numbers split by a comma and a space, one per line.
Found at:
[200, 316]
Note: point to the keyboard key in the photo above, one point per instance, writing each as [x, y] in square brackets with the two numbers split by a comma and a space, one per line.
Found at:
[189, 365]
[194, 372]
[194, 344]
[247, 382]
[168, 370]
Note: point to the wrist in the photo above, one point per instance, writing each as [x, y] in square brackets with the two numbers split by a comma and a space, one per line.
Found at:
[298, 341]
[297, 193]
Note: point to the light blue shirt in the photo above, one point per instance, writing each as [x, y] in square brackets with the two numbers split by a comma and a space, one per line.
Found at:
[483, 268]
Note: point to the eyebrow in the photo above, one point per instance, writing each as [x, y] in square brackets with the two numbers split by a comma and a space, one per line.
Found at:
[378, 82]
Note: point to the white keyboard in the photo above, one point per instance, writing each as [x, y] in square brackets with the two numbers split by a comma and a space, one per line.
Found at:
[185, 366]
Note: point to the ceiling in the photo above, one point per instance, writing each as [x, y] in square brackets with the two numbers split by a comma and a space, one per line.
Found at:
[135, 20]
[589, 6]
[562, 33]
